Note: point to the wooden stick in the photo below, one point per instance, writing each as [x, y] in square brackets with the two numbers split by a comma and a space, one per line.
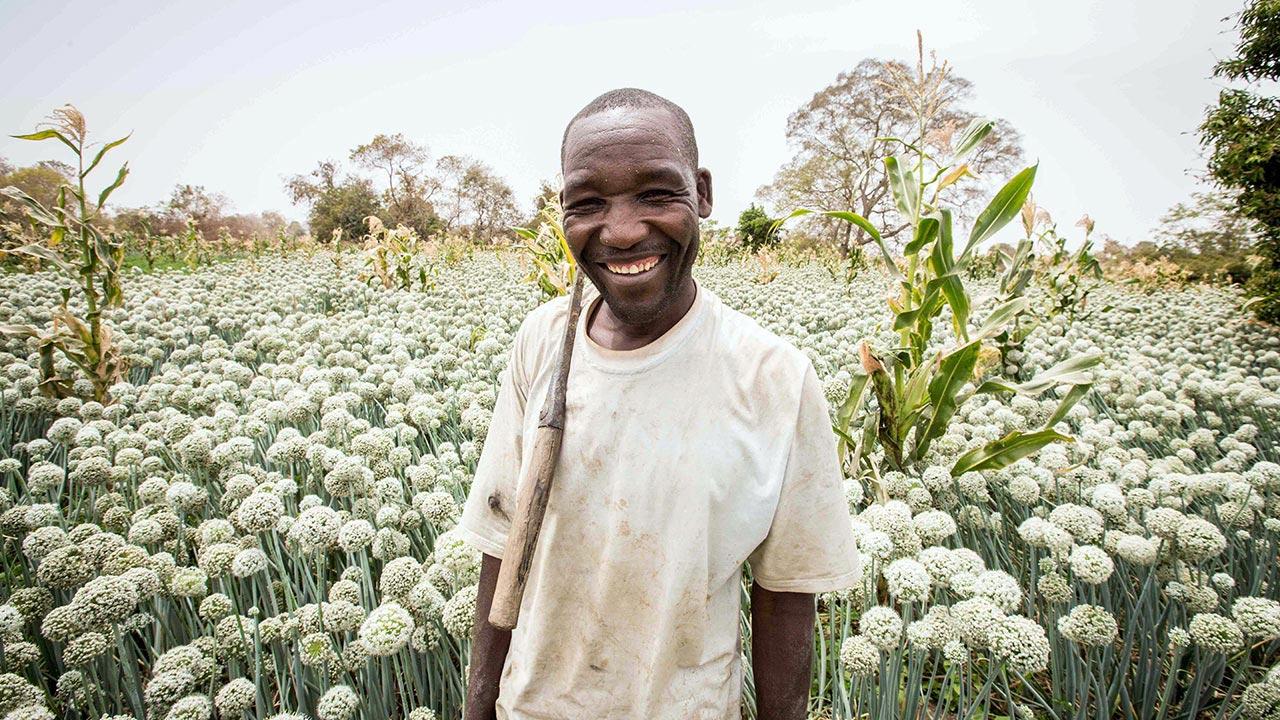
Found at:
[531, 505]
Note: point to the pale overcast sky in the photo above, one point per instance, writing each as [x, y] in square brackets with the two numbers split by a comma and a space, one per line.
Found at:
[234, 95]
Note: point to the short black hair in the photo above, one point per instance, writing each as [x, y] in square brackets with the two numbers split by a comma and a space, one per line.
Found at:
[637, 98]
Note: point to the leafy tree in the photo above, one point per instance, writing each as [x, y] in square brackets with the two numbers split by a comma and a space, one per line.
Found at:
[1208, 236]
[493, 204]
[1242, 134]
[757, 229]
[335, 202]
[344, 207]
[41, 182]
[839, 148]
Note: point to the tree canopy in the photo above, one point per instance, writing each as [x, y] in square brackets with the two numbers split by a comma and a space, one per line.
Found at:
[1242, 135]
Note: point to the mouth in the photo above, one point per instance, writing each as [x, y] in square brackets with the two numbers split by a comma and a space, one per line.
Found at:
[635, 268]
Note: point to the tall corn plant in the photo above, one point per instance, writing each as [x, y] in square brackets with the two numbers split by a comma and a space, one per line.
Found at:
[546, 246]
[76, 242]
[398, 258]
[1070, 276]
[1065, 278]
[918, 388]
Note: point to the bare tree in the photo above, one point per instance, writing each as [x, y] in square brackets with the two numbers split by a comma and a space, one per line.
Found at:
[395, 156]
[839, 145]
[472, 199]
[307, 188]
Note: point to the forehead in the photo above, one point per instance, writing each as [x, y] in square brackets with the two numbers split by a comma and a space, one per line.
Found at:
[631, 140]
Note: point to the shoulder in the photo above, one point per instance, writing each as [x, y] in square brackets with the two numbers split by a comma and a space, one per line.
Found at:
[748, 342]
[762, 362]
[537, 340]
[543, 318]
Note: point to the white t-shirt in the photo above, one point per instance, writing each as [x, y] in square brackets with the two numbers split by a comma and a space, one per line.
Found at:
[681, 460]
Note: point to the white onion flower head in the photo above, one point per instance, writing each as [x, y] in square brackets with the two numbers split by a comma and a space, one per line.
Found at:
[975, 619]
[1199, 539]
[459, 612]
[1258, 617]
[340, 702]
[1091, 564]
[316, 528]
[249, 561]
[1088, 625]
[355, 535]
[387, 629]
[1215, 633]
[1137, 550]
[860, 656]
[191, 707]
[908, 580]
[1022, 643]
[882, 626]
[1001, 588]
[934, 526]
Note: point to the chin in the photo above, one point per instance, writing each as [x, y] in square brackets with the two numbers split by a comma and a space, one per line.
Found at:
[638, 311]
[638, 314]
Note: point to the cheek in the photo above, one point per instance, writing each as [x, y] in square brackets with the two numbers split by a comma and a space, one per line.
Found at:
[681, 227]
[576, 233]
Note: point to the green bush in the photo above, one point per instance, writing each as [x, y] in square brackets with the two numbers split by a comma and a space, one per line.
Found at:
[757, 229]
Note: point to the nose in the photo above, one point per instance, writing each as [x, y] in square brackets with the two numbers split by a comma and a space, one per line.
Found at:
[622, 227]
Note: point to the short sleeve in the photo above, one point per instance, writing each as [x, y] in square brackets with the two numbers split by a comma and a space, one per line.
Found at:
[810, 547]
[486, 517]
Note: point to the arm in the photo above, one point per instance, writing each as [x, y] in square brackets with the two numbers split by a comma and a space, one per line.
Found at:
[781, 652]
[488, 648]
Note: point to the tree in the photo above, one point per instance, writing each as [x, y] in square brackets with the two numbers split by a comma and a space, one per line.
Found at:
[308, 188]
[408, 192]
[344, 207]
[41, 181]
[839, 149]
[195, 203]
[756, 229]
[1242, 134]
[335, 202]
[1208, 236]
[493, 204]
[472, 200]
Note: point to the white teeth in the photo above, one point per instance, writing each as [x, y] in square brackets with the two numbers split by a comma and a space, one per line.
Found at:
[633, 268]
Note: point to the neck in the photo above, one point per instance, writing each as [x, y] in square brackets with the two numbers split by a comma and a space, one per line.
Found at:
[610, 332]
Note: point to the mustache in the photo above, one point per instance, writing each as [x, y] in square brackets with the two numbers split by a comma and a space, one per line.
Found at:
[633, 253]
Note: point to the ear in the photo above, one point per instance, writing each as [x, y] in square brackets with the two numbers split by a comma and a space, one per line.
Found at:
[704, 193]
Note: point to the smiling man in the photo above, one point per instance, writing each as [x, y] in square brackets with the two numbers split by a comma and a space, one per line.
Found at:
[695, 443]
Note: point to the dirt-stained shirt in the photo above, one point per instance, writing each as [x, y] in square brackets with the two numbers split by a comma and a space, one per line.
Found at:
[708, 448]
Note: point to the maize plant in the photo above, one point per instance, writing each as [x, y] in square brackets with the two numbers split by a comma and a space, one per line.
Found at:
[553, 263]
[1069, 277]
[193, 247]
[766, 266]
[397, 257]
[1065, 279]
[77, 245]
[145, 243]
[917, 387]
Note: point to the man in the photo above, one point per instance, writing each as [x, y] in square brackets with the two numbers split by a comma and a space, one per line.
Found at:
[695, 441]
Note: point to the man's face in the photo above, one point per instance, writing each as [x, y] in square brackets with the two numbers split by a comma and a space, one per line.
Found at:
[632, 201]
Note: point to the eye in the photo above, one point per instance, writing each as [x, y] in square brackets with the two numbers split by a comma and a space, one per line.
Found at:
[659, 195]
[584, 205]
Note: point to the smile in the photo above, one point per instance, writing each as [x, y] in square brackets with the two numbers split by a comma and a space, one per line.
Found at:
[634, 267]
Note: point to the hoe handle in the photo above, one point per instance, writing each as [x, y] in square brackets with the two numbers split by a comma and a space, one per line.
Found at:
[531, 505]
